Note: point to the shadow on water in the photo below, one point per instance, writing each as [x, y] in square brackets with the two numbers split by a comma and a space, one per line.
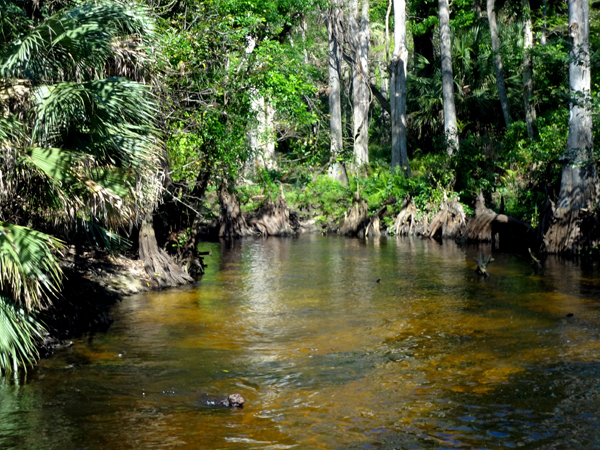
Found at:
[327, 357]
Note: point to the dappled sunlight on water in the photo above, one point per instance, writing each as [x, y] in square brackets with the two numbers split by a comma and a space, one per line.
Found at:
[432, 356]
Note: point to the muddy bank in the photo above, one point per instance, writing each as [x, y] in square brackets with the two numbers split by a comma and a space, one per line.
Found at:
[93, 282]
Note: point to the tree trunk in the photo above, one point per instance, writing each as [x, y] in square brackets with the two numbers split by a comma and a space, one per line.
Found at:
[336, 170]
[409, 221]
[273, 219]
[262, 139]
[489, 226]
[544, 22]
[498, 62]
[232, 223]
[303, 30]
[356, 219]
[449, 222]
[573, 225]
[398, 89]
[528, 72]
[359, 28]
[158, 264]
[450, 127]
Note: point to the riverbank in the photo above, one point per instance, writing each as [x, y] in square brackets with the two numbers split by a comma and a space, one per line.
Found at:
[93, 282]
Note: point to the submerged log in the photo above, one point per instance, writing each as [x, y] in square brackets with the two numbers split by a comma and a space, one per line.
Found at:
[489, 226]
[535, 262]
[157, 263]
[356, 219]
[273, 219]
[482, 264]
[449, 222]
[231, 220]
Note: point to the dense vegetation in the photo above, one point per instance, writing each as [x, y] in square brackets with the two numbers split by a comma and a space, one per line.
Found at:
[114, 112]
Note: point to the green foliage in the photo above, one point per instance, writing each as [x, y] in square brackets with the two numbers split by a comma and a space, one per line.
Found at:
[325, 195]
[19, 333]
[28, 269]
[212, 105]
[79, 146]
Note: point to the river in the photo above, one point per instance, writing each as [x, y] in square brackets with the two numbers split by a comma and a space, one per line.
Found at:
[431, 356]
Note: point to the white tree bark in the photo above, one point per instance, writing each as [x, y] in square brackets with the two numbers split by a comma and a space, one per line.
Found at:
[530, 116]
[498, 62]
[262, 138]
[450, 127]
[398, 89]
[544, 22]
[359, 29]
[579, 179]
[336, 170]
[579, 188]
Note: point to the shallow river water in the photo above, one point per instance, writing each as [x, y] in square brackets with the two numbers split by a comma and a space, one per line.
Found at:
[432, 356]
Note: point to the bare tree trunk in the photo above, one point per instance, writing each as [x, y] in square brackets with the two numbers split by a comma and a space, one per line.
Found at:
[573, 223]
[359, 28]
[498, 62]
[232, 223]
[450, 127]
[398, 89]
[337, 170]
[262, 139]
[158, 264]
[387, 31]
[530, 117]
[544, 22]
[303, 30]
[384, 83]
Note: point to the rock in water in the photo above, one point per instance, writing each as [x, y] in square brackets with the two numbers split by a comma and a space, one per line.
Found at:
[231, 401]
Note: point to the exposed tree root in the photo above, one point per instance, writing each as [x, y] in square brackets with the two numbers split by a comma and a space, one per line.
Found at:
[157, 263]
[273, 219]
[449, 222]
[489, 226]
[408, 221]
[569, 231]
[374, 227]
[231, 220]
[356, 219]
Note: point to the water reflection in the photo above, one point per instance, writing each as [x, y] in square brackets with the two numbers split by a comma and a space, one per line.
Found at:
[433, 356]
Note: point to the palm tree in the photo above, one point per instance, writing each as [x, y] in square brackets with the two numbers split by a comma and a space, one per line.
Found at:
[78, 146]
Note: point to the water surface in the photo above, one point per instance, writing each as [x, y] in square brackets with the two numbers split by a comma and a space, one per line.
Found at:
[432, 356]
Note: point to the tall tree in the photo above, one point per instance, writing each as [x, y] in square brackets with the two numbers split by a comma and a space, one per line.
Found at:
[498, 62]
[359, 28]
[570, 222]
[336, 169]
[450, 126]
[398, 89]
[528, 71]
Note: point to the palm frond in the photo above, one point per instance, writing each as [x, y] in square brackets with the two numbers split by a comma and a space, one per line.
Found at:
[29, 271]
[19, 332]
[75, 42]
[11, 129]
[101, 237]
[106, 118]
